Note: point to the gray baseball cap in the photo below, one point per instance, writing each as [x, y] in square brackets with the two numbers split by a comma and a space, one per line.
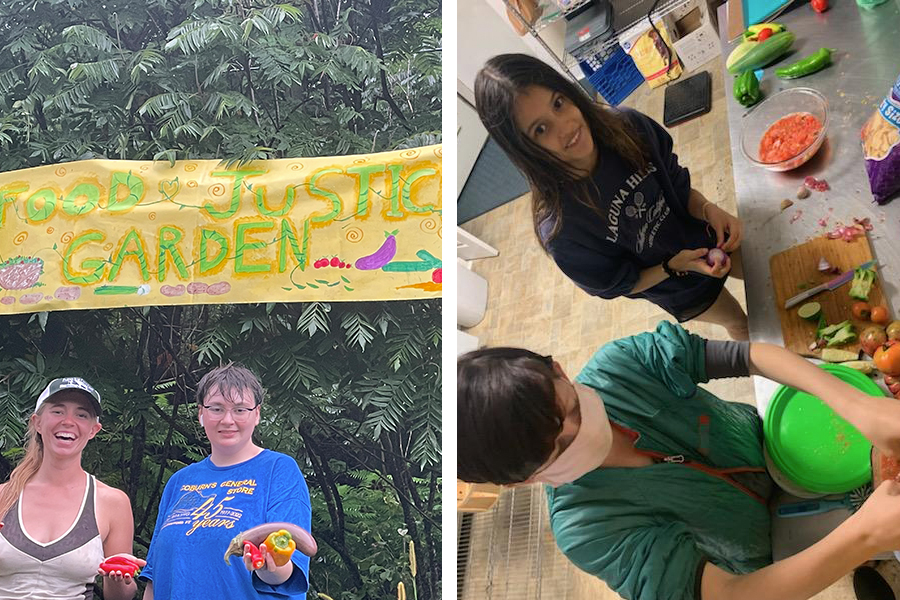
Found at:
[70, 383]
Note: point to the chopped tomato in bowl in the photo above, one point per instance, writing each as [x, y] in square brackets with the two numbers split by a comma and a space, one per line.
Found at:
[785, 130]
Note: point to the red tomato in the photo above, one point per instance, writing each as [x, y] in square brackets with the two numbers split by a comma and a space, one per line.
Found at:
[880, 315]
[819, 6]
[887, 359]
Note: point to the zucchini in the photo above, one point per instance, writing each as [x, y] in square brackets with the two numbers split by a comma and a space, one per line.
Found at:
[739, 51]
[762, 53]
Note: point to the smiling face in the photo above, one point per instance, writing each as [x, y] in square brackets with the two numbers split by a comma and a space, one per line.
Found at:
[66, 422]
[554, 122]
[229, 420]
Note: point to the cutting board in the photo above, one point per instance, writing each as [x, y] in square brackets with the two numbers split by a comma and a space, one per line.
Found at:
[795, 270]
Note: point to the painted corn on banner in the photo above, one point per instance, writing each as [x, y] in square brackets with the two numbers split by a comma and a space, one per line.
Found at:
[104, 233]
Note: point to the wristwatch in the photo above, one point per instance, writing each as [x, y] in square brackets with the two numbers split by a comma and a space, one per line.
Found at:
[670, 271]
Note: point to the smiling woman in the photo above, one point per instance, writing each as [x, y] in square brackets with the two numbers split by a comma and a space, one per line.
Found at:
[61, 524]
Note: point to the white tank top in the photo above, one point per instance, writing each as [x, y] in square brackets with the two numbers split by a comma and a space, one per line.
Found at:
[64, 569]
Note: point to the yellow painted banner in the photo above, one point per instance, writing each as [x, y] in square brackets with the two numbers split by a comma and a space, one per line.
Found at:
[106, 233]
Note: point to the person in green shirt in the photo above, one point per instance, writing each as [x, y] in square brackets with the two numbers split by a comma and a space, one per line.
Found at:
[654, 484]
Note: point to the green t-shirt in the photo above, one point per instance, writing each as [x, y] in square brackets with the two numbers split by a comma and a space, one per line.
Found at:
[647, 531]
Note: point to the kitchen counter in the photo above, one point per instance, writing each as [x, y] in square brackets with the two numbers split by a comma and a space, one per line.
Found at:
[864, 68]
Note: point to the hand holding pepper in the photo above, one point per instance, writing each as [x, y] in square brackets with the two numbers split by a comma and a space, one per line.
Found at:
[121, 567]
[253, 556]
[281, 545]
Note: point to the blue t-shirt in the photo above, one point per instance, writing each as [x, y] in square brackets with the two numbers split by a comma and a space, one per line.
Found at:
[203, 507]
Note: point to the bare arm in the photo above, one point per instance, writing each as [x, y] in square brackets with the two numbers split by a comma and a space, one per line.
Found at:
[118, 541]
[871, 530]
[148, 591]
[876, 417]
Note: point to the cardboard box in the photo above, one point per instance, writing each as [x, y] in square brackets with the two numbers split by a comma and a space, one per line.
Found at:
[696, 41]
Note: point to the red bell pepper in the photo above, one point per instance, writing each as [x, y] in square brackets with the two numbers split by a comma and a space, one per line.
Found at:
[819, 6]
[120, 563]
[256, 558]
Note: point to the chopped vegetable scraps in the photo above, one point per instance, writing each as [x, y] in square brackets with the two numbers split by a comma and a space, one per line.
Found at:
[835, 335]
[820, 185]
[848, 233]
[796, 216]
[862, 283]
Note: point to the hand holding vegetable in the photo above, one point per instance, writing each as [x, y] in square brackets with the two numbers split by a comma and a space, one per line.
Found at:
[695, 261]
[281, 545]
[257, 535]
[723, 223]
[121, 567]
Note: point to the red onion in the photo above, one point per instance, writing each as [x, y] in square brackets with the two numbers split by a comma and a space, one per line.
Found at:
[716, 257]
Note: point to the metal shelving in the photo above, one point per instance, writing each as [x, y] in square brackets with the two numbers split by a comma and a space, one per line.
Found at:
[632, 13]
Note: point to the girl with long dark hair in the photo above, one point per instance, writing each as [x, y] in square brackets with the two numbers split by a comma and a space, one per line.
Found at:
[610, 202]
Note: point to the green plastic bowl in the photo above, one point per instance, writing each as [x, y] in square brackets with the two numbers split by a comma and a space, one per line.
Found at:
[814, 447]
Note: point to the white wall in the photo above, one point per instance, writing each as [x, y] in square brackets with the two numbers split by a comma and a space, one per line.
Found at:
[470, 137]
[483, 31]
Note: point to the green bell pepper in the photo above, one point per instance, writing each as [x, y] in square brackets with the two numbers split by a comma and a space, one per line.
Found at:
[746, 89]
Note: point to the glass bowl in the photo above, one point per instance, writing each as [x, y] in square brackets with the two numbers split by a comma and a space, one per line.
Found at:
[776, 106]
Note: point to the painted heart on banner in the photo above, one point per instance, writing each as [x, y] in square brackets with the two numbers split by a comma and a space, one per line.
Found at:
[169, 187]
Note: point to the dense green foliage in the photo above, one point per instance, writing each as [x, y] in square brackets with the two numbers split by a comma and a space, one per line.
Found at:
[353, 388]
[233, 79]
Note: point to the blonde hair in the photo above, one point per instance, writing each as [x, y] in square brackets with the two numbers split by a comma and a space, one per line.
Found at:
[22, 474]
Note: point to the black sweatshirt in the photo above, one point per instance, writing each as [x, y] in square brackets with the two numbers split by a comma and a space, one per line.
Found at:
[647, 221]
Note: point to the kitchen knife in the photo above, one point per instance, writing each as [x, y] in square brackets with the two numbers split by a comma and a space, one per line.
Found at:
[828, 285]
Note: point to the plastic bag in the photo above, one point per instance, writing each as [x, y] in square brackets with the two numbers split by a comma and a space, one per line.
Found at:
[869, 4]
[881, 147]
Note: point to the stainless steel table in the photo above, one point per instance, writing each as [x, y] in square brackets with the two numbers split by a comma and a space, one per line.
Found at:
[866, 65]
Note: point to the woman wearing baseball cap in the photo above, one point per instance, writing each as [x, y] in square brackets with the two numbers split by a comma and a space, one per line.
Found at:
[59, 522]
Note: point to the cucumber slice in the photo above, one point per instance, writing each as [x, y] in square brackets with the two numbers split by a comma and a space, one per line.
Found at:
[810, 311]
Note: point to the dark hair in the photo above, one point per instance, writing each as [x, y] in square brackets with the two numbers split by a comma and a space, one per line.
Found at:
[231, 381]
[498, 84]
[507, 418]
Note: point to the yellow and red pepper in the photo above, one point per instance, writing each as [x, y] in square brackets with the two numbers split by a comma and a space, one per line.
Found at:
[281, 545]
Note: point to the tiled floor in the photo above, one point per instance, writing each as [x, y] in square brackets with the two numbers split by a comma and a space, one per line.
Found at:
[533, 305]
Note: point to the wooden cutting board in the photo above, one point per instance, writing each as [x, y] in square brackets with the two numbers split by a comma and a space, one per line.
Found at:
[796, 269]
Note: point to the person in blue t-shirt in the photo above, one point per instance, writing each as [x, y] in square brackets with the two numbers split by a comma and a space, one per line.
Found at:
[205, 505]
[610, 203]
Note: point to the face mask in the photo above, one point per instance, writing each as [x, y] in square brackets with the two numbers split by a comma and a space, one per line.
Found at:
[590, 447]
[201, 420]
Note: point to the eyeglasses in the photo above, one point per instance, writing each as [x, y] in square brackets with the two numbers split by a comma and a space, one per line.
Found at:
[239, 413]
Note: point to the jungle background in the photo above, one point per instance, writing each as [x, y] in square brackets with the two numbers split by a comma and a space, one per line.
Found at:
[353, 388]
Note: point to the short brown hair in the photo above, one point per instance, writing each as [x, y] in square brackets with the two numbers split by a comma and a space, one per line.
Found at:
[231, 380]
[507, 417]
